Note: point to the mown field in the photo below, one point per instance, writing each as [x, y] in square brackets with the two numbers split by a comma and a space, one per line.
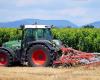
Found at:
[28, 73]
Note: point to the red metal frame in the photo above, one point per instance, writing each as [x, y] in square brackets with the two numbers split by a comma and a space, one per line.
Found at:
[72, 56]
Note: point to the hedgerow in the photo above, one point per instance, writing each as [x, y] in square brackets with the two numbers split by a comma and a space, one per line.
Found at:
[84, 39]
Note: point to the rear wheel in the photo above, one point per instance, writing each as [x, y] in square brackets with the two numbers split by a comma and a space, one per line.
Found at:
[4, 58]
[39, 55]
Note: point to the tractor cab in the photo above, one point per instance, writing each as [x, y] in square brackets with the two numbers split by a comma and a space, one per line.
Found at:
[37, 32]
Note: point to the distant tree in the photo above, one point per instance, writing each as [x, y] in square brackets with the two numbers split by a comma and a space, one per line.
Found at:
[88, 26]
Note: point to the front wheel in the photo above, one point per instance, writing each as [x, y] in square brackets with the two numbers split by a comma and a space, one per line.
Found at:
[4, 58]
[39, 56]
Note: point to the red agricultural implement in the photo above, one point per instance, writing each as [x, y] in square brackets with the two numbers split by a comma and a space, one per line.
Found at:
[72, 57]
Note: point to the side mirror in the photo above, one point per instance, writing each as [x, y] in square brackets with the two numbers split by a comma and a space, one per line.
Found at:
[52, 26]
[18, 29]
[21, 27]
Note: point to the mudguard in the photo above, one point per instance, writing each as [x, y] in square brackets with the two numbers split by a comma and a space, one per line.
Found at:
[42, 42]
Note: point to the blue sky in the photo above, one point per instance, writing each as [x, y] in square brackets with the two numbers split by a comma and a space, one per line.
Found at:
[79, 12]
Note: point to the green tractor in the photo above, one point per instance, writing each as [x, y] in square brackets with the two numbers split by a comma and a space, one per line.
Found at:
[36, 47]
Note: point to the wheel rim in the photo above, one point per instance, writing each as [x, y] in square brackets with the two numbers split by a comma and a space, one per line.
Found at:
[39, 57]
[3, 59]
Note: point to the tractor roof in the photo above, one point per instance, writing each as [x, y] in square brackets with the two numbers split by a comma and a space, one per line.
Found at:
[37, 26]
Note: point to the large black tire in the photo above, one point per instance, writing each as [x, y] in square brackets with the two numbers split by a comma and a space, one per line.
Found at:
[39, 56]
[5, 58]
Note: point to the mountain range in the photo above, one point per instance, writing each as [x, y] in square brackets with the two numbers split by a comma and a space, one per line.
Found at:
[57, 23]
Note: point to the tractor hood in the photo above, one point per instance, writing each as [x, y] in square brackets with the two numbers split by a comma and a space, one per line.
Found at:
[13, 44]
[17, 44]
